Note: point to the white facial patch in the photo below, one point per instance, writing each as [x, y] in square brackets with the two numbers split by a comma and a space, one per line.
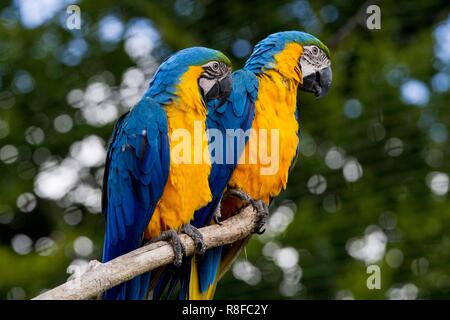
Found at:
[313, 59]
[214, 71]
[306, 67]
[206, 84]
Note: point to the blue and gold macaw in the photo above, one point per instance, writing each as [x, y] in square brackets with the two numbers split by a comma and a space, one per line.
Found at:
[221, 117]
[150, 188]
[264, 96]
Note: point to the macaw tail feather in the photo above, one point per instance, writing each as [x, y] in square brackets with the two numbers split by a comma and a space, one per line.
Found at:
[206, 273]
[134, 289]
[198, 276]
[171, 282]
[204, 277]
[196, 279]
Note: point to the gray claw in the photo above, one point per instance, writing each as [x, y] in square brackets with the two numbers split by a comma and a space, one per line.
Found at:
[218, 214]
[172, 237]
[196, 235]
[241, 195]
[262, 209]
[217, 220]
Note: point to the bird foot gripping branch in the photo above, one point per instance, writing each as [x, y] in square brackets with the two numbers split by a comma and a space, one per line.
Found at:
[197, 236]
[103, 276]
[260, 207]
[172, 237]
[179, 249]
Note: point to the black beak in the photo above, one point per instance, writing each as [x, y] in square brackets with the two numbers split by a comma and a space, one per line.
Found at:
[221, 90]
[318, 83]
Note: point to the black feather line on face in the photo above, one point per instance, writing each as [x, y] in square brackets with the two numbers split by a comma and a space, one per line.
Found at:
[207, 75]
[315, 59]
[210, 74]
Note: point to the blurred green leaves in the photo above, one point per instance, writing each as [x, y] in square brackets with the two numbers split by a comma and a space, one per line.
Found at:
[383, 159]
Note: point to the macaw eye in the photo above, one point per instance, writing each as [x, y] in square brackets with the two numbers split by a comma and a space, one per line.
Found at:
[215, 66]
[315, 50]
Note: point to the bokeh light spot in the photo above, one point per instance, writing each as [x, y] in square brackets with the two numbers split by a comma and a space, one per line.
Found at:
[317, 184]
[438, 182]
[63, 123]
[415, 92]
[352, 108]
[22, 244]
[241, 48]
[83, 246]
[9, 154]
[352, 170]
[34, 135]
[394, 147]
[26, 202]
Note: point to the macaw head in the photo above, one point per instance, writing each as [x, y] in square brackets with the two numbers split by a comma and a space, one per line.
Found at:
[192, 73]
[296, 55]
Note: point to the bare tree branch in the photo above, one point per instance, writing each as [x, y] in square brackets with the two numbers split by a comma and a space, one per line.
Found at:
[123, 268]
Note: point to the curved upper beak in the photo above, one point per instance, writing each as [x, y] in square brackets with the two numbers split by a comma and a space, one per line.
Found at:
[319, 82]
[221, 89]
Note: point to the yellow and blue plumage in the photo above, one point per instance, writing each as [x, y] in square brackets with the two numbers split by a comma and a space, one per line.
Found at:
[145, 191]
[227, 116]
[279, 65]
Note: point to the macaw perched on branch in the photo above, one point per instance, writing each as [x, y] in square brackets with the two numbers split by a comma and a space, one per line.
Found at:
[147, 194]
[228, 116]
[264, 96]
[281, 63]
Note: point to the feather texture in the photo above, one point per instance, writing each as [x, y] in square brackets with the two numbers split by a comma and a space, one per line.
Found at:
[141, 187]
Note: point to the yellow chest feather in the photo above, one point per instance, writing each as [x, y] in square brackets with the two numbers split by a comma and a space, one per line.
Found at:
[187, 188]
[274, 110]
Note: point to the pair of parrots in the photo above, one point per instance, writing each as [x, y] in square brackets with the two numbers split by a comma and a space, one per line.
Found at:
[156, 186]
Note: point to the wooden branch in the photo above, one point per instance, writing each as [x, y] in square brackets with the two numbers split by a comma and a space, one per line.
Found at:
[123, 268]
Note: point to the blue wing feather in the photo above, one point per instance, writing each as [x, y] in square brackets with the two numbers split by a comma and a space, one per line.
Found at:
[136, 171]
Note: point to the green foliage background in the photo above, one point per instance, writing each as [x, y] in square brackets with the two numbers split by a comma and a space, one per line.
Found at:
[392, 202]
